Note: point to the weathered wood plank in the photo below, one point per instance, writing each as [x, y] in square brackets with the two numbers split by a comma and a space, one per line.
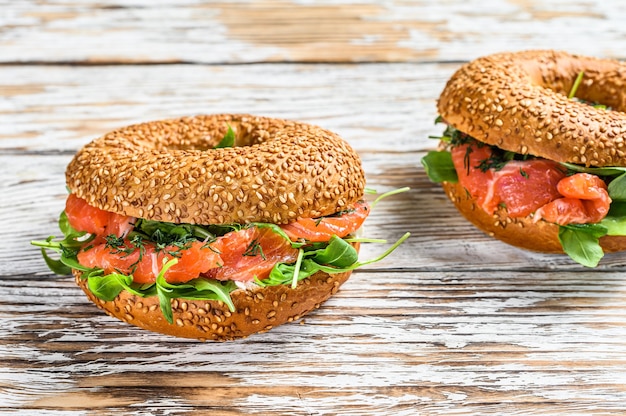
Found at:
[387, 342]
[452, 323]
[375, 107]
[224, 31]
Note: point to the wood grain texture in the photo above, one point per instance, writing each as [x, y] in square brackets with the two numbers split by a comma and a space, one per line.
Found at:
[114, 31]
[453, 322]
[61, 108]
[388, 342]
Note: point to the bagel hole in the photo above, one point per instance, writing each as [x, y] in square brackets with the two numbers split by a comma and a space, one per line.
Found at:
[600, 95]
[203, 143]
[600, 86]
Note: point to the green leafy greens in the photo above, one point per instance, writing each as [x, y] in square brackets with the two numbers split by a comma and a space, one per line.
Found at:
[108, 287]
[338, 256]
[67, 248]
[335, 256]
[439, 167]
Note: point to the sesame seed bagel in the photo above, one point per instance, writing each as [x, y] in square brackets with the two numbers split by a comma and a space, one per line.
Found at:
[169, 170]
[257, 310]
[519, 102]
[538, 236]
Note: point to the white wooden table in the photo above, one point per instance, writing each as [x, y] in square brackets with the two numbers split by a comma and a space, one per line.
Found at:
[452, 323]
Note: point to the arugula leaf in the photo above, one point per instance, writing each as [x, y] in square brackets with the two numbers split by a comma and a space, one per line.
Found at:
[56, 266]
[617, 188]
[109, 286]
[439, 167]
[221, 229]
[209, 289]
[603, 171]
[387, 194]
[615, 221]
[164, 291]
[581, 242]
[67, 247]
[64, 225]
[196, 289]
[451, 135]
[285, 273]
[165, 305]
[337, 253]
[72, 262]
[67, 260]
[228, 140]
[617, 209]
[615, 226]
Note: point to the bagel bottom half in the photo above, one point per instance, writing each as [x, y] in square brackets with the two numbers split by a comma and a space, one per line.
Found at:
[538, 236]
[257, 310]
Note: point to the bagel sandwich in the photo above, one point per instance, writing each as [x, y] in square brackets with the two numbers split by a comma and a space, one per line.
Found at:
[533, 151]
[212, 227]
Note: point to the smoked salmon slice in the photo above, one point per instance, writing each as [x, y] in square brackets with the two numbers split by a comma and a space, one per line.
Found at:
[585, 200]
[240, 255]
[250, 253]
[525, 186]
[84, 217]
[479, 183]
[322, 229]
[141, 259]
[520, 186]
[145, 262]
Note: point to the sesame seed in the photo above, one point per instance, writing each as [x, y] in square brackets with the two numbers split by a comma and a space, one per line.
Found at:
[286, 160]
[496, 90]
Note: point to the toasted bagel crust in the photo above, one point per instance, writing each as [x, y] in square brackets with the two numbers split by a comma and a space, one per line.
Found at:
[518, 102]
[257, 310]
[169, 170]
[520, 232]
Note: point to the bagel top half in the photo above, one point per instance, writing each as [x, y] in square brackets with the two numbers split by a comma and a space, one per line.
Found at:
[170, 170]
[519, 102]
